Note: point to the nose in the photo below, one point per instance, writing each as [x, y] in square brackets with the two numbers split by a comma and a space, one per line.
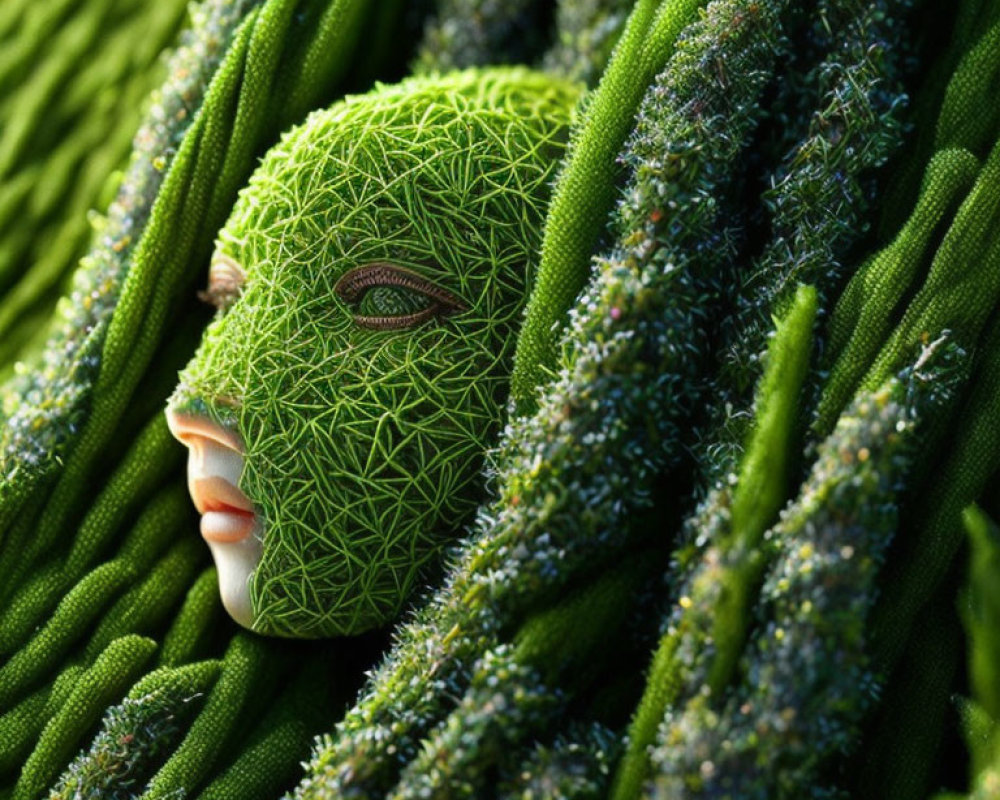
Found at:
[195, 431]
[215, 461]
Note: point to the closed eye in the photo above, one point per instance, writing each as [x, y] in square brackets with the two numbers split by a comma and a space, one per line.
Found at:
[384, 296]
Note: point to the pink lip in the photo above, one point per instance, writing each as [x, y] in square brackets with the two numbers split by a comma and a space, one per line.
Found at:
[214, 464]
[227, 513]
[226, 527]
[217, 494]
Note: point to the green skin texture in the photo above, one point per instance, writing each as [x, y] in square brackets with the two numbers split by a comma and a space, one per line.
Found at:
[364, 447]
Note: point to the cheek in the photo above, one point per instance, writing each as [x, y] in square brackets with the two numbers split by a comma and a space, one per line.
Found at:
[362, 465]
[381, 421]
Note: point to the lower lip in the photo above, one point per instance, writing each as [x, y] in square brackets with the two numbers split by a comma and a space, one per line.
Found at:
[226, 527]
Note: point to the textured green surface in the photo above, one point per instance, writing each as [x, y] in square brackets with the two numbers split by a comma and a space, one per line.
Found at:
[133, 735]
[102, 684]
[349, 522]
[73, 80]
[745, 174]
[584, 192]
[713, 600]
[807, 653]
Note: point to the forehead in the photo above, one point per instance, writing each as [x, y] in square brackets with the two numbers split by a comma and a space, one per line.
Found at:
[411, 180]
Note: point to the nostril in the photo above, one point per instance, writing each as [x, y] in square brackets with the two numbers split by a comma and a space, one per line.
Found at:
[191, 430]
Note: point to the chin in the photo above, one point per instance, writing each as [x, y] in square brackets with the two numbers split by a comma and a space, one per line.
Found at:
[235, 563]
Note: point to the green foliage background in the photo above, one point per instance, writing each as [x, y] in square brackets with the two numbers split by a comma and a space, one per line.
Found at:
[757, 389]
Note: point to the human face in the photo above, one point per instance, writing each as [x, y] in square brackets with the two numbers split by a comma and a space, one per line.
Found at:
[229, 522]
[369, 285]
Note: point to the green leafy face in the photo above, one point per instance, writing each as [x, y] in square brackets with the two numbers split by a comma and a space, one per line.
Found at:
[370, 283]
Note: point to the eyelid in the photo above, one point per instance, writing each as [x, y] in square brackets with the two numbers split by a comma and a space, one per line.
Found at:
[352, 285]
[225, 282]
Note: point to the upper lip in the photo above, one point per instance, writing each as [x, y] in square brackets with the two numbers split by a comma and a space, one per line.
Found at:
[215, 462]
[212, 493]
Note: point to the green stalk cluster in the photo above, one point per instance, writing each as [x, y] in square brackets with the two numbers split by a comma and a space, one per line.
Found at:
[585, 190]
[604, 420]
[101, 684]
[982, 617]
[860, 327]
[73, 78]
[806, 680]
[519, 692]
[133, 735]
[270, 760]
[971, 18]
[506, 701]
[473, 33]
[818, 199]
[940, 273]
[191, 762]
[210, 729]
[706, 629]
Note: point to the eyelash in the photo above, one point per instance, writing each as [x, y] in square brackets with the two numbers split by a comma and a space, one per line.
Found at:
[356, 282]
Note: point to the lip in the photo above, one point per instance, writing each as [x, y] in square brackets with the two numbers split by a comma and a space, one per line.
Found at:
[227, 514]
[227, 527]
[215, 461]
[214, 493]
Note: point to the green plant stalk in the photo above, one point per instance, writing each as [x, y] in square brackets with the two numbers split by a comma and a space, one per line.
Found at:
[271, 761]
[192, 761]
[539, 532]
[584, 191]
[152, 532]
[104, 682]
[519, 692]
[982, 621]
[189, 633]
[45, 405]
[145, 606]
[806, 680]
[137, 734]
[714, 601]
[888, 764]
[861, 321]
[914, 575]
[967, 119]
[68, 625]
